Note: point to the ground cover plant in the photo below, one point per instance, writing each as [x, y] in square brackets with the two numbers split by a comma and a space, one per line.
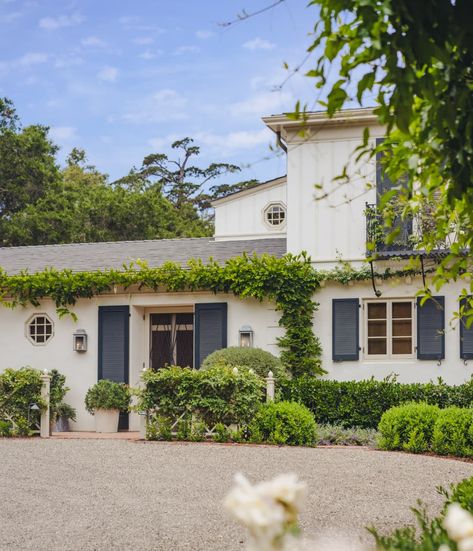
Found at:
[362, 403]
[337, 435]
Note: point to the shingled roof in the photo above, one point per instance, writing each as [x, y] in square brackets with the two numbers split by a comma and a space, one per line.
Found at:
[98, 256]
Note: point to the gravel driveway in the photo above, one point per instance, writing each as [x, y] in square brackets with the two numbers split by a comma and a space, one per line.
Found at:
[114, 495]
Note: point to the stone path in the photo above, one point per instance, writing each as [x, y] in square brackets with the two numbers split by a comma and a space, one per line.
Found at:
[81, 494]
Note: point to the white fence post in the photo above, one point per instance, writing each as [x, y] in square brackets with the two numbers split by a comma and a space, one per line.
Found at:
[270, 387]
[144, 415]
[45, 414]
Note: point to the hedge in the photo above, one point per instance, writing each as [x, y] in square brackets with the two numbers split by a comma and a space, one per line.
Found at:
[362, 403]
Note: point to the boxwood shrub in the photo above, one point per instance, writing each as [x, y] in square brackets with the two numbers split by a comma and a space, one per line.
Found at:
[284, 423]
[260, 361]
[408, 427]
[453, 432]
[362, 403]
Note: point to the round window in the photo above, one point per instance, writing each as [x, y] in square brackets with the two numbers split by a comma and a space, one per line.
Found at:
[275, 215]
[39, 329]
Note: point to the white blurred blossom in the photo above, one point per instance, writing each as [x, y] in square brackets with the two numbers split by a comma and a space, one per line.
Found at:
[459, 526]
[269, 510]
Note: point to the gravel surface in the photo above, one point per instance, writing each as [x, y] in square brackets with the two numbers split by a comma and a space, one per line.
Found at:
[115, 494]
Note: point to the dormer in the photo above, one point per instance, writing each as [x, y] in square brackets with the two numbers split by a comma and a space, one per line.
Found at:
[254, 213]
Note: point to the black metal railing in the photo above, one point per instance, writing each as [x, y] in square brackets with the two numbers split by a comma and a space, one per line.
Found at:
[388, 240]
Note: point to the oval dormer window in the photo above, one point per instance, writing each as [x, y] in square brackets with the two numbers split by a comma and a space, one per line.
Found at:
[275, 215]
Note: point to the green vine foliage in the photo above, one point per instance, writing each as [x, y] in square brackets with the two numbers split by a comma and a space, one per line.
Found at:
[290, 282]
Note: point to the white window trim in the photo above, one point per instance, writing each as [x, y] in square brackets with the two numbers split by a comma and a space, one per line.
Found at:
[389, 355]
[27, 329]
[266, 209]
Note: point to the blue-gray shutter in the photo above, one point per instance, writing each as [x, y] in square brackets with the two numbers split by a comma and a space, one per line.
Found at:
[113, 346]
[466, 335]
[210, 327]
[431, 329]
[345, 329]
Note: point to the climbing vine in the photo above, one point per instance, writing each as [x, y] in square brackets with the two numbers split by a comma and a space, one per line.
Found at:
[290, 282]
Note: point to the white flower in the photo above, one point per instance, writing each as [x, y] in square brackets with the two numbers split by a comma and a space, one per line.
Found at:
[286, 489]
[459, 526]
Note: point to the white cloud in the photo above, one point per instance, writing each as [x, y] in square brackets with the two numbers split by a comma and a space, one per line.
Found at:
[204, 35]
[53, 23]
[186, 50]
[68, 60]
[259, 44]
[108, 74]
[33, 58]
[231, 143]
[143, 40]
[94, 42]
[63, 133]
[148, 54]
[164, 105]
[265, 103]
[10, 17]
[135, 23]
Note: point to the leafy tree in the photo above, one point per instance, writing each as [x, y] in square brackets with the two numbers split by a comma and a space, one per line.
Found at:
[417, 61]
[89, 209]
[184, 183]
[28, 167]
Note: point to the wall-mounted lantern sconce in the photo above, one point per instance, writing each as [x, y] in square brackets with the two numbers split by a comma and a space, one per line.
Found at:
[80, 340]
[246, 336]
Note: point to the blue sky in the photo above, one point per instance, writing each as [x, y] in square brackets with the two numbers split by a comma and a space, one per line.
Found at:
[123, 79]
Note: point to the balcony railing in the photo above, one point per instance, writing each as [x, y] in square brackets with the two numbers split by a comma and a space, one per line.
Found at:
[382, 241]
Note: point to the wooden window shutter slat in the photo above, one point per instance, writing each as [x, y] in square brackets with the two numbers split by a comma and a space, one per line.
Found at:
[210, 330]
[431, 329]
[466, 335]
[345, 329]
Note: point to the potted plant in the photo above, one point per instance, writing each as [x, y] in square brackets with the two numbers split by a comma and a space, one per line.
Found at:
[62, 415]
[105, 400]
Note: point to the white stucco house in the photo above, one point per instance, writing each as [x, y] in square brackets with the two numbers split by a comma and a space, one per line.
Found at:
[367, 328]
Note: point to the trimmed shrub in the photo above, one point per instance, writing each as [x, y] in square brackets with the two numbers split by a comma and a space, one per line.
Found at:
[362, 403]
[284, 423]
[107, 395]
[453, 432]
[260, 361]
[408, 427]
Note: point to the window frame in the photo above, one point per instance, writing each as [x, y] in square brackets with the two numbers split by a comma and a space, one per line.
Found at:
[266, 210]
[389, 336]
[29, 323]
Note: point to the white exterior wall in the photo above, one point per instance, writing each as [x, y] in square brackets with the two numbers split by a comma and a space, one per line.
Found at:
[333, 227]
[81, 369]
[452, 369]
[243, 216]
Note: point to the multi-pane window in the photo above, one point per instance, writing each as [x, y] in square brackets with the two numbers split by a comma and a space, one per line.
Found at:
[275, 214]
[389, 328]
[39, 329]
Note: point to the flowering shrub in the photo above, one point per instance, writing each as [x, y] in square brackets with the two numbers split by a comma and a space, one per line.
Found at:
[269, 510]
[451, 530]
[19, 390]
[409, 427]
[217, 395]
[284, 423]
